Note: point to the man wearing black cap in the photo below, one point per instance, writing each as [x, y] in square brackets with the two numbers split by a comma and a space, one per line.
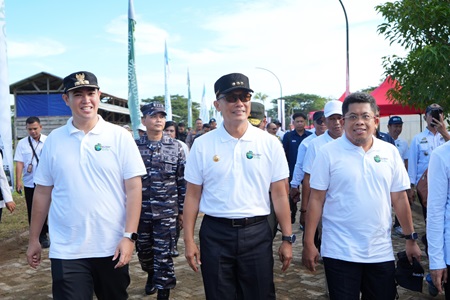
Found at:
[212, 124]
[163, 191]
[89, 176]
[229, 173]
[423, 144]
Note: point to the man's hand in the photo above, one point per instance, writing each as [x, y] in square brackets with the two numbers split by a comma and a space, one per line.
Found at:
[285, 255]
[11, 206]
[125, 251]
[34, 253]
[310, 257]
[19, 188]
[192, 255]
[439, 278]
[412, 250]
[294, 193]
[411, 195]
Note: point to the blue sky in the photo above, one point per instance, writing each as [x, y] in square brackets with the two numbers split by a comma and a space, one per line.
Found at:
[302, 42]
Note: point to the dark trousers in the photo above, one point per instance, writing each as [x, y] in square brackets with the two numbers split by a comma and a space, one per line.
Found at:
[237, 262]
[154, 246]
[346, 280]
[77, 279]
[29, 192]
[447, 286]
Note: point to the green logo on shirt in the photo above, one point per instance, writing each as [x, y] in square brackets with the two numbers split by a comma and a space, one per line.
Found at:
[249, 154]
[98, 147]
[377, 158]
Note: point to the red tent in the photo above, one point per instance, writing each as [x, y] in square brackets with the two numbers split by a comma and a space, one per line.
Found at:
[389, 108]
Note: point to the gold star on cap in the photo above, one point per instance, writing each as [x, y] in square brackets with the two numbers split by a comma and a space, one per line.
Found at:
[80, 79]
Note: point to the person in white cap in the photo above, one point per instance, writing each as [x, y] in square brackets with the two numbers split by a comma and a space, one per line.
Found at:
[332, 115]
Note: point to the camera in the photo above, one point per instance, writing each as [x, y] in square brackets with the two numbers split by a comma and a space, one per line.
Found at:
[436, 114]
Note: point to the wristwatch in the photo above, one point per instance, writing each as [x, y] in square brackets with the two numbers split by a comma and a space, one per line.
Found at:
[413, 236]
[289, 238]
[131, 235]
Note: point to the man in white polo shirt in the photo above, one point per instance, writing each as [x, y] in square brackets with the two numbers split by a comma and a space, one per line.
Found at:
[229, 173]
[356, 180]
[89, 176]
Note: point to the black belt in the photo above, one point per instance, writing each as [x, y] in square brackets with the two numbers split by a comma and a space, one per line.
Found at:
[238, 222]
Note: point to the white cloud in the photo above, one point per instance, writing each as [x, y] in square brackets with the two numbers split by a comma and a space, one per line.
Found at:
[36, 47]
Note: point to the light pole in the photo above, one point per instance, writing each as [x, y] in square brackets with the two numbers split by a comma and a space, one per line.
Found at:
[281, 101]
[347, 75]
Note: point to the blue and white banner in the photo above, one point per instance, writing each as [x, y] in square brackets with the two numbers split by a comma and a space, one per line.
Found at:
[167, 100]
[133, 99]
[189, 106]
[5, 110]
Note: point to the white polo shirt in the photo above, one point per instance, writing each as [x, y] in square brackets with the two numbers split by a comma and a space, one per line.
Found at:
[356, 215]
[313, 148]
[438, 208]
[24, 154]
[87, 172]
[236, 173]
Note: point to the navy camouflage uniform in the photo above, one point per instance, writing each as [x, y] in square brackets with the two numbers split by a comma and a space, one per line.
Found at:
[163, 191]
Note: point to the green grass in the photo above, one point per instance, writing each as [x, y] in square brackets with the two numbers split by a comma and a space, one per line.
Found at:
[15, 223]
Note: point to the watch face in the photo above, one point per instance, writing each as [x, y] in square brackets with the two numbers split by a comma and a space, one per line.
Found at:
[134, 236]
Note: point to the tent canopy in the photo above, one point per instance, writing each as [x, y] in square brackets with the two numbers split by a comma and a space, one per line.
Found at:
[387, 107]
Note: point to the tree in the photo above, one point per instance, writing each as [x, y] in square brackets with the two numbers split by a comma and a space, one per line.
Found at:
[179, 107]
[423, 29]
[304, 103]
[261, 96]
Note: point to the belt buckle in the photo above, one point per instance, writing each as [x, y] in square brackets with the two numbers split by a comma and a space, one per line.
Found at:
[233, 224]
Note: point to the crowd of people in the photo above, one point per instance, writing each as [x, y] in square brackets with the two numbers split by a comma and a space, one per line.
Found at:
[90, 181]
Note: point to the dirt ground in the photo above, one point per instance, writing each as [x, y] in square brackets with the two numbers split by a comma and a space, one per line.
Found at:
[19, 281]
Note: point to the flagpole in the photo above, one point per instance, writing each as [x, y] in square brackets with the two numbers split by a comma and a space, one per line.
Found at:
[167, 101]
[5, 109]
[133, 98]
[189, 101]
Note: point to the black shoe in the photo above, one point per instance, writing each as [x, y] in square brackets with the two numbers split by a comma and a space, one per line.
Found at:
[175, 253]
[45, 242]
[150, 289]
[163, 294]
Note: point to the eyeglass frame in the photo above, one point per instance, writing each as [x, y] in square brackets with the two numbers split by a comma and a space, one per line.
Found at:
[354, 117]
[236, 97]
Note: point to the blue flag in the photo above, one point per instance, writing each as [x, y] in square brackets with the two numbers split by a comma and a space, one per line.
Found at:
[133, 99]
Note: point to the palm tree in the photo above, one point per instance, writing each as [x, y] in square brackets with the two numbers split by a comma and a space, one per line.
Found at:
[261, 97]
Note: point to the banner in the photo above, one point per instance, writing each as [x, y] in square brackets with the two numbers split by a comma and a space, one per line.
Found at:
[133, 99]
[189, 124]
[204, 108]
[168, 102]
[5, 110]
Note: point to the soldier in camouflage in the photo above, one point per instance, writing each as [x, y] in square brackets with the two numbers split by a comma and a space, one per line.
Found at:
[163, 191]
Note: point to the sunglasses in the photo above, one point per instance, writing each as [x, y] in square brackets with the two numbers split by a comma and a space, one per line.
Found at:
[233, 98]
[319, 121]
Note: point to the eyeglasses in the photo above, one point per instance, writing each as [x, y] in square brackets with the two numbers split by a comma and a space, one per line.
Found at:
[354, 118]
[233, 98]
[319, 121]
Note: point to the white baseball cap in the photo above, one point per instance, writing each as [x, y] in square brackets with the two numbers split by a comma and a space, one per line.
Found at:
[333, 107]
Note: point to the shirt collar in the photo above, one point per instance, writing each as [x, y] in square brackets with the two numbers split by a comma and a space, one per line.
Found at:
[248, 135]
[96, 130]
